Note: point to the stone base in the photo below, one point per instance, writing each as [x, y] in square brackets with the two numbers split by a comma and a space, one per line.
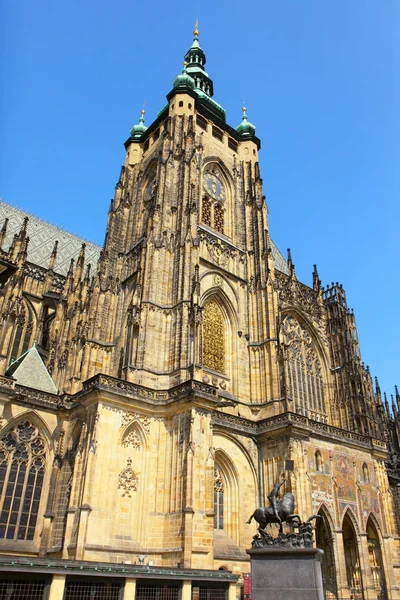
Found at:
[286, 573]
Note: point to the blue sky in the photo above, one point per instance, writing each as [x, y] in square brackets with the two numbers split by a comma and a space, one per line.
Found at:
[321, 83]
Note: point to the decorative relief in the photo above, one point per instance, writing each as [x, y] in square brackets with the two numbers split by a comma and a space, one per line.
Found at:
[131, 440]
[219, 251]
[130, 417]
[128, 480]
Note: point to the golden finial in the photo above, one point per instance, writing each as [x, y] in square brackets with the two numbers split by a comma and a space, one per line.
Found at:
[184, 64]
[196, 29]
[142, 112]
[244, 109]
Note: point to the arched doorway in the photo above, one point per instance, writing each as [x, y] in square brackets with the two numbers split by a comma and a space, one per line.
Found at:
[375, 560]
[352, 559]
[324, 541]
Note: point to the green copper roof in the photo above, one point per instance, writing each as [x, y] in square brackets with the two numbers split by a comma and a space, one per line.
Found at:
[196, 59]
[183, 80]
[246, 129]
[138, 130]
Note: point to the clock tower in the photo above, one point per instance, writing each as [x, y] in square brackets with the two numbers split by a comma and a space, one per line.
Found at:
[187, 246]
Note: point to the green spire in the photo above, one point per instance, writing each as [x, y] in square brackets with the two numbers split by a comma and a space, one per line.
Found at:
[138, 130]
[245, 129]
[196, 59]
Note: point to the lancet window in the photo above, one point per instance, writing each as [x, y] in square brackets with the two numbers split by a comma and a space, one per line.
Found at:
[22, 468]
[213, 337]
[23, 331]
[303, 369]
[218, 499]
[212, 209]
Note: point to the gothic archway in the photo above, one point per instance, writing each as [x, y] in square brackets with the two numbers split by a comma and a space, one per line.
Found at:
[375, 559]
[324, 541]
[352, 558]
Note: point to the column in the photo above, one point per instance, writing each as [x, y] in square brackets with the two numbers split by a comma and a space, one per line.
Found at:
[130, 589]
[232, 591]
[186, 590]
[57, 587]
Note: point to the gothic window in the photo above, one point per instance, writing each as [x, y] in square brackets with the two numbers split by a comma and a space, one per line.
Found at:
[212, 213]
[219, 218]
[319, 463]
[303, 369]
[206, 211]
[218, 499]
[22, 467]
[23, 331]
[213, 337]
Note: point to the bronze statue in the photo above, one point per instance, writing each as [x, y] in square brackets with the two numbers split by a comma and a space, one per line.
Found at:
[281, 511]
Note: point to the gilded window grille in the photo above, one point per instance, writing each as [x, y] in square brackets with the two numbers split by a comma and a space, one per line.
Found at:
[206, 211]
[219, 218]
[22, 467]
[303, 369]
[213, 337]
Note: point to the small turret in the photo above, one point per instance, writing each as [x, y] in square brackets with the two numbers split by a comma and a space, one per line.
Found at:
[139, 129]
[245, 129]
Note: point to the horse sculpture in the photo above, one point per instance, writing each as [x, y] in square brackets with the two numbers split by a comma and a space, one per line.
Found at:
[285, 508]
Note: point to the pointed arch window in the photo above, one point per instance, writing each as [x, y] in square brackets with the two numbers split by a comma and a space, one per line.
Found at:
[303, 369]
[365, 473]
[213, 209]
[23, 331]
[22, 468]
[218, 499]
[213, 337]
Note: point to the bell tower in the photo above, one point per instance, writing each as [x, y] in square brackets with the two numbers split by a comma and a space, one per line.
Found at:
[185, 282]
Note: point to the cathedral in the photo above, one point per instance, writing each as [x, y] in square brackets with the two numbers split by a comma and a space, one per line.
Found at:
[154, 390]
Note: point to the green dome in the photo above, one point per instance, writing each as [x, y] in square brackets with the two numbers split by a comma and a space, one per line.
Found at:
[183, 80]
[246, 129]
[138, 130]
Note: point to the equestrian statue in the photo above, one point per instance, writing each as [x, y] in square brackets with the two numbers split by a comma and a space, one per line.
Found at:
[280, 511]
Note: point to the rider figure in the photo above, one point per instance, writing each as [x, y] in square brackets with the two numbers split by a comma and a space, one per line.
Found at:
[273, 498]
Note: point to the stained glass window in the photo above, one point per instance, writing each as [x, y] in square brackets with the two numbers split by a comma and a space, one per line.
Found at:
[213, 337]
[22, 467]
[303, 369]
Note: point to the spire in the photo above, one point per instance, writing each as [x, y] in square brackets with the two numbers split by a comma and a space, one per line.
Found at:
[138, 130]
[196, 59]
[53, 256]
[245, 129]
[316, 279]
[3, 232]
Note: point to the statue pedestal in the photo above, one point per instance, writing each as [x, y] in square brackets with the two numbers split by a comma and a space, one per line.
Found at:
[286, 573]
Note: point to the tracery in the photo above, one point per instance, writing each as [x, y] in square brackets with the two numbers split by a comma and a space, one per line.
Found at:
[303, 369]
[22, 468]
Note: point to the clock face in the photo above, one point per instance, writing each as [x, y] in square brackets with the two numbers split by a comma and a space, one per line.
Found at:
[149, 190]
[214, 186]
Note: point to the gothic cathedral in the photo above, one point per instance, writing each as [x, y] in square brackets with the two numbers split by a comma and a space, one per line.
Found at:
[153, 391]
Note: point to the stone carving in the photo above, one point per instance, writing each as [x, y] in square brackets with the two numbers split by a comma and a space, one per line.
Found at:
[128, 480]
[132, 440]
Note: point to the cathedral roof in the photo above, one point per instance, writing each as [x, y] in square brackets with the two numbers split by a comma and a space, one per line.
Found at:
[42, 237]
[29, 370]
